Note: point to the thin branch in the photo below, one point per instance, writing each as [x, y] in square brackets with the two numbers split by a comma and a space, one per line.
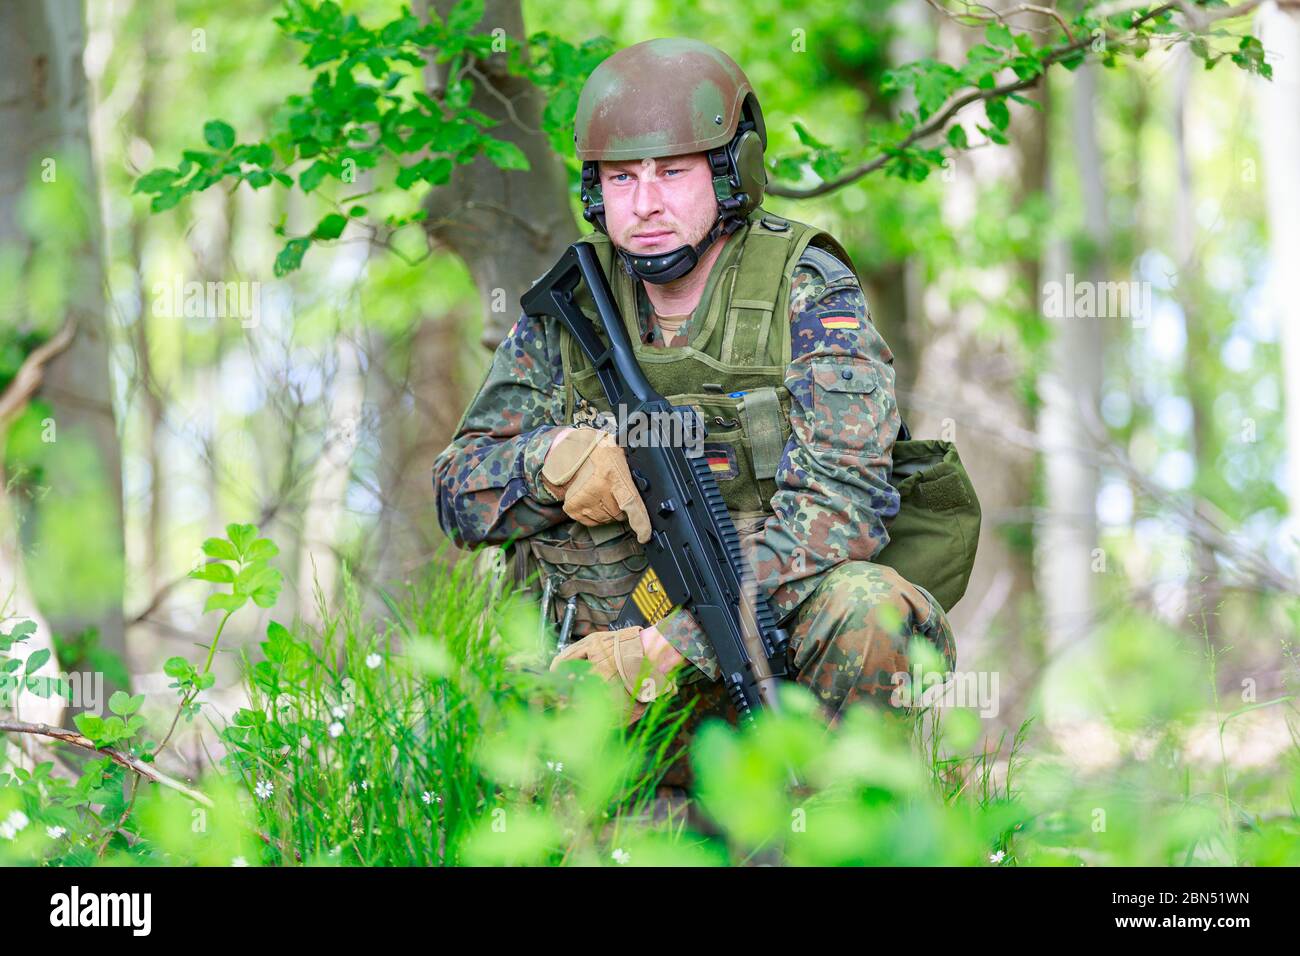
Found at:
[117, 756]
[504, 100]
[939, 121]
[999, 16]
[32, 372]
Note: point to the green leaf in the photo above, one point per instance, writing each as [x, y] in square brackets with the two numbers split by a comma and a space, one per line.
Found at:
[437, 171]
[806, 137]
[331, 227]
[1073, 61]
[357, 212]
[505, 155]
[313, 175]
[998, 35]
[278, 641]
[220, 548]
[156, 180]
[957, 136]
[23, 630]
[217, 572]
[114, 729]
[89, 725]
[259, 154]
[241, 536]
[997, 112]
[224, 602]
[290, 257]
[322, 51]
[254, 577]
[176, 667]
[124, 704]
[933, 87]
[219, 135]
[463, 16]
[165, 200]
[266, 596]
[261, 549]
[36, 660]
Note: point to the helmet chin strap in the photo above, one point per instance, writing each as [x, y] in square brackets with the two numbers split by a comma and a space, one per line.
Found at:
[675, 264]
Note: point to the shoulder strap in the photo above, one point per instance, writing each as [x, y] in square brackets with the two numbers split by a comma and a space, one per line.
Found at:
[762, 284]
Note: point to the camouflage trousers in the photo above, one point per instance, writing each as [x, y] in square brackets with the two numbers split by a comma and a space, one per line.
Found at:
[847, 640]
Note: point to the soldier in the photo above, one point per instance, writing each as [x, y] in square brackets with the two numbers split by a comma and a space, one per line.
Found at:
[756, 321]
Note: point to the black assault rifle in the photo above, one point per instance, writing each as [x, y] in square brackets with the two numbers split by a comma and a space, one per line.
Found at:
[693, 551]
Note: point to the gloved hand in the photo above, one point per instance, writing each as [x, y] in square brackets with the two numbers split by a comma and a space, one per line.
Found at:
[587, 470]
[619, 656]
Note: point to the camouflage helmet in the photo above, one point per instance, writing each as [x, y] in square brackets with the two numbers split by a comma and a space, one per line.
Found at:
[671, 97]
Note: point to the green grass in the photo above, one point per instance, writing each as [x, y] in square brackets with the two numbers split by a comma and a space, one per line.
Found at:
[437, 736]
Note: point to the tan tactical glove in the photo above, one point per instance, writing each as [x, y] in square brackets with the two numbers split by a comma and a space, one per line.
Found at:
[588, 471]
[619, 656]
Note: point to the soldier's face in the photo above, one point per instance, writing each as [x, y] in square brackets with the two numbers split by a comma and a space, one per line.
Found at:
[655, 205]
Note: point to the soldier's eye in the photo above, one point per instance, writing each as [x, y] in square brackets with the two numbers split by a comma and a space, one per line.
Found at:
[617, 177]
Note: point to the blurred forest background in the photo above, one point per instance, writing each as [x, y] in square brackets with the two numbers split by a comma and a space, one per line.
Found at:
[1139, 470]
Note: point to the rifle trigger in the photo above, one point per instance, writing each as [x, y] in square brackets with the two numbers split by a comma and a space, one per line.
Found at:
[642, 483]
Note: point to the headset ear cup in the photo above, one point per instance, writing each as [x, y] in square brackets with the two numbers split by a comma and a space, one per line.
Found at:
[593, 200]
[748, 157]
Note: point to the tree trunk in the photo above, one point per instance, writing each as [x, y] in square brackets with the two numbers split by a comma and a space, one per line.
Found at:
[1279, 133]
[1066, 534]
[1190, 294]
[508, 227]
[415, 427]
[76, 571]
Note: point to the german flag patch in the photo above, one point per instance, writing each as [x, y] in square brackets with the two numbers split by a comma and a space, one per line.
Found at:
[838, 319]
[722, 460]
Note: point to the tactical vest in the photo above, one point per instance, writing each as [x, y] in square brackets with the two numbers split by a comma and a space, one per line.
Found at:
[731, 371]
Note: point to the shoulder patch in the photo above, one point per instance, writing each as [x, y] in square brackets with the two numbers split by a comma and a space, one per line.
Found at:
[828, 266]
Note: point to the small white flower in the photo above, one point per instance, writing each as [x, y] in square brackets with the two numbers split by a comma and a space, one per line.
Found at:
[365, 784]
[373, 661]
[15, 822]
[336, 851]
[621, 857]
[339, 711]
[55, 832]
[997, 857]
[336, 729]
[556, 765]
[239, 861]
[428, 796]
[264, 789]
